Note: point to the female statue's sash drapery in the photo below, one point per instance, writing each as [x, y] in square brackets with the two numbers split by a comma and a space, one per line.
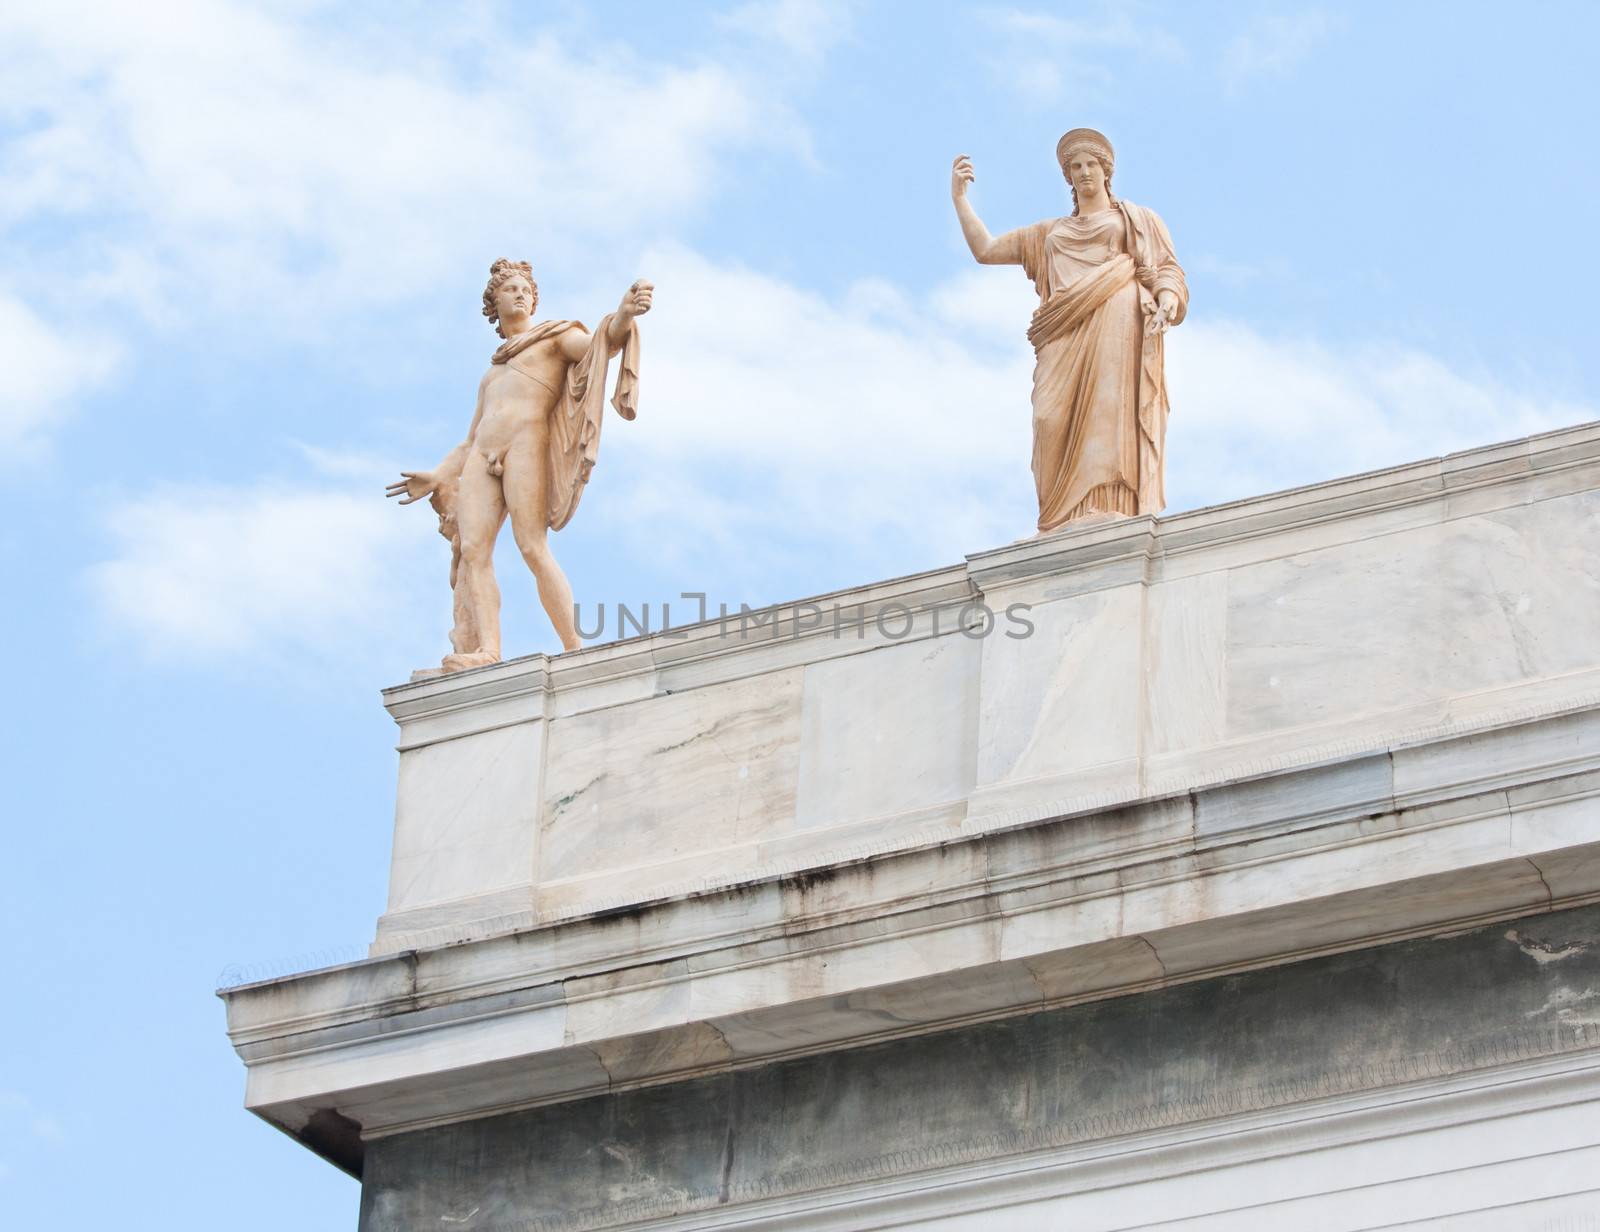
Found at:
[1099, 382]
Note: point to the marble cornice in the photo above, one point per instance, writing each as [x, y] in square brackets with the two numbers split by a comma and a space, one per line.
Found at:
[1165, 854]
[961, 932]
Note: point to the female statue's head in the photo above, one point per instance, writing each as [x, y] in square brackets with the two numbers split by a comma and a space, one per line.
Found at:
[511, 286]
[1087, 161]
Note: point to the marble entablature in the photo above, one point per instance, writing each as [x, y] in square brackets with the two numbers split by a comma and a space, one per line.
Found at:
[1238, 737]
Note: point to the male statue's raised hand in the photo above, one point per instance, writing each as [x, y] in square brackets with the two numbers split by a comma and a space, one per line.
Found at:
[636, 299]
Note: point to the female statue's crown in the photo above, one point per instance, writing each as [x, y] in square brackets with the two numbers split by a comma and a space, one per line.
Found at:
[1085, 137]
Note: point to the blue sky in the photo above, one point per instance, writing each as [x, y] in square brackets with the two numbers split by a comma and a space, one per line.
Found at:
[243, 253]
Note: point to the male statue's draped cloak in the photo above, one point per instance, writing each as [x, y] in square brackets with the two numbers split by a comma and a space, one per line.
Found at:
[580, 407]
[1099, 382]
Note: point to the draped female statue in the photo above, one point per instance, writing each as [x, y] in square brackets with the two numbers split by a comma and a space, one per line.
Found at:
[1109, 288]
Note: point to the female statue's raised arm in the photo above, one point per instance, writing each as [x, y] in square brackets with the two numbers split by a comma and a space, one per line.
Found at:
[985, 248]
[978, 237]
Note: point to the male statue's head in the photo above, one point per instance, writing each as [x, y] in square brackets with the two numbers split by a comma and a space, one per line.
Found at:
[512, 294]
[1086, 161]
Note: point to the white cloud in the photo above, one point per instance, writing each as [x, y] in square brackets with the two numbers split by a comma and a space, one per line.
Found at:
[203, 572]
[806, 28]
[1046, 56]
[871, 411]
[1272, 45]
[284, 172]
[368, 468]
[782, 432]
[24, 1127]
[1253, 414]
[233, 155]
[774, 422]
[43, 370]
[1236, 273]
[910, 419]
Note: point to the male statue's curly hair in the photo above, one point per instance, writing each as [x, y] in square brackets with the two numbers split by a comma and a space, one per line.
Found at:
[501, 272]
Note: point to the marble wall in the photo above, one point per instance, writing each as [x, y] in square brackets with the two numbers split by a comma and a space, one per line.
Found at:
[466, 817]
[1164, 655]
[1254, 888]
[1471, 604]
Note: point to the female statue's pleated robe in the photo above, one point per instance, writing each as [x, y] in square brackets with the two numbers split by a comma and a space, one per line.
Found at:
[1099, 385]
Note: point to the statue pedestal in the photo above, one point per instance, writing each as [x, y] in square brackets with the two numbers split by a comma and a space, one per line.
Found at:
[1247, 860]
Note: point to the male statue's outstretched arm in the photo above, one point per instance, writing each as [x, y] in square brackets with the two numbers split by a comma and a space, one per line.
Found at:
[985, 248]
[635, 303]
[414, 485]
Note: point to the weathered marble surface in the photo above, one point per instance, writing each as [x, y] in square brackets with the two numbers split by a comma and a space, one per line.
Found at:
[1474, 603]
[998, 922]
[1185, 667]
[466, 818]
[1059, 701]
[1020, 844]
[864, 753]
[672, 776]
[1194, 1080]
[1295, 629]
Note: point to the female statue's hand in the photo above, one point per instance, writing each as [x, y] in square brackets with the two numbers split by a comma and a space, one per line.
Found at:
[961, 174]
[1160, 320]
[414, 485]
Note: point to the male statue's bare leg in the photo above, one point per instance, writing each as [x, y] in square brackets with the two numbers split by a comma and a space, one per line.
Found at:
[555, 594]
[463, 630]
[480, 512]
[526, 480]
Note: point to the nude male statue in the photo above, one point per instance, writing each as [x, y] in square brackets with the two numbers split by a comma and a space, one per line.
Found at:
[534, 439]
